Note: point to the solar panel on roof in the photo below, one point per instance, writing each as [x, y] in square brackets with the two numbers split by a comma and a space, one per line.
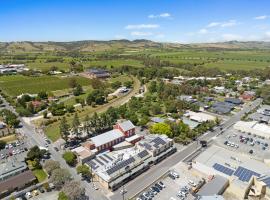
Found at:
[101, 163]
[120, 165]
[143, 154]
[108, 157]
[158, 141]
[267, 181]
[93, 164]
[102, 158]
[223, 169]
[244, 174]
[148, 146]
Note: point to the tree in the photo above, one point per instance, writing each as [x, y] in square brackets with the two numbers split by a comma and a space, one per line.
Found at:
[78, 90]
[42, 95]
[2, 144]
[50, 166]
[45, 114]
[69, 157]
[64, 129]
[59, 177]
[75, 124]
[62, 196]
[161, 128]
[73, 190]
[35, 153]
[84, 171]
[10, 118]
[72, 82]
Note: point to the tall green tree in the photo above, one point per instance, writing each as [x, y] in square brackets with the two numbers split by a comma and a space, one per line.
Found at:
[64, 129]
[76, 124]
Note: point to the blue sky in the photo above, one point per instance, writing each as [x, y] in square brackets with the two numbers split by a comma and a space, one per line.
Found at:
[181, 21]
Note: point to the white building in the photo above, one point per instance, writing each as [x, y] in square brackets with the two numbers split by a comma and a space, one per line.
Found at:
[253, 127]
[199, 116]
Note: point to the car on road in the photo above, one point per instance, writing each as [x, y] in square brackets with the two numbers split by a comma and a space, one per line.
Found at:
[56, 149]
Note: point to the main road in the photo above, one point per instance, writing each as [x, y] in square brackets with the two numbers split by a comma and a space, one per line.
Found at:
[144, 180]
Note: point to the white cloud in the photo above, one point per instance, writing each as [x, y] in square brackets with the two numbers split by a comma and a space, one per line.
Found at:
[266, 36]
[203, 31]
[229, 23]
[142, 26]
[139, 33]
[213, 24]
[229, 37]
[222, 24]
[261, 17]
[162, 15]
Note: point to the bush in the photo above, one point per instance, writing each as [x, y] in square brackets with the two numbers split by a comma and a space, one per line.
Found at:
[2, 144]
[69, 157]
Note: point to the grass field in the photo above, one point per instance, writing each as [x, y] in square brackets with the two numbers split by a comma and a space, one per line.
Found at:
[52, 131]
[40, 174]
[16, 84]
[9, 138]
[224, 60]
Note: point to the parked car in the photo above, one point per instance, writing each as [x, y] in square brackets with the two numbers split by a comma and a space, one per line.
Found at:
[161, 184]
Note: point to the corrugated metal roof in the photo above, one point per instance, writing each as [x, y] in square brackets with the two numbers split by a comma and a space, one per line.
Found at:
[106, 137]
[215, 186]
[126, 125]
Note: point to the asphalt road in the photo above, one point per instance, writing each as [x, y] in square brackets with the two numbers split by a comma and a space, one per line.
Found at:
[156, 171]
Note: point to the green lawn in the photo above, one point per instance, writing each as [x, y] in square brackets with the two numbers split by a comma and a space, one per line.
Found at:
[15, 85]
[40, 174]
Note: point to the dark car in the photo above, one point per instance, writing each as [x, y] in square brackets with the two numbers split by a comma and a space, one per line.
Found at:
[158, 186]
[56, 149]
[251, 151]
[41, 190]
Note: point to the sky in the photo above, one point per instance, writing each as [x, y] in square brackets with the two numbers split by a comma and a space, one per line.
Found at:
[182, 21]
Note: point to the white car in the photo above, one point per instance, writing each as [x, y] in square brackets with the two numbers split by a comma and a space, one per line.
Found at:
[174, 174]
[190, 182]
[14, 152]
[28, 195]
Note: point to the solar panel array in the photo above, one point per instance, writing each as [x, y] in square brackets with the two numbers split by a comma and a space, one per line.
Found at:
[266, 181]
[142, 154]
[93, 164]
[245, 174]
[120, 165]
[103, 159]
[223, 169]
[108, 157]
[158, 141]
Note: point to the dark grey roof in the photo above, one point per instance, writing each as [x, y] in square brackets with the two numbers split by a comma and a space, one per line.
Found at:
[216, 186]
[143, 153]
[233, 100]
[259, 117]
[222, 107]
[120, 165]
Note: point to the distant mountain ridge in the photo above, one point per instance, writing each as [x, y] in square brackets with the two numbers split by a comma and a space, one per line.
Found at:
[95, 45]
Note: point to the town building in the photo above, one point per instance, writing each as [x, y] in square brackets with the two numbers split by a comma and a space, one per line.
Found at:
[126, 127]
[16, 183]
[247, 177]
[114, 168]
[253, 127]
[199, 116]
[106, 140]
[97, 73]
[234, 101]
[222, 107]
